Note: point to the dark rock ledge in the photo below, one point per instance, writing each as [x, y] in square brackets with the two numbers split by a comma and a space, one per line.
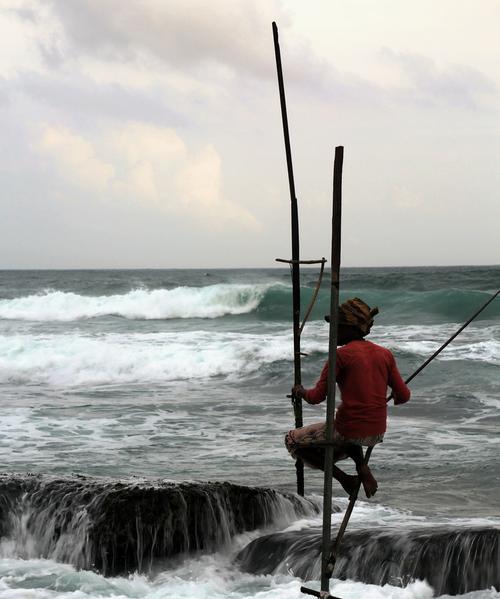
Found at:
[123, 526]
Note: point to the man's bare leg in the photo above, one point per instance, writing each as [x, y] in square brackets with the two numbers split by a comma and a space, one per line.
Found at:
[348, 482]
[355, 452]
[315, 458]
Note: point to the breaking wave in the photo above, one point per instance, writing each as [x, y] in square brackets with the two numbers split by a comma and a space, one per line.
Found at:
[271, 301]
[212, 301]
[70, 360]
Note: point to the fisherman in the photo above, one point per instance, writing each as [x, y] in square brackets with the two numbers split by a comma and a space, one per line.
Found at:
[364, 370]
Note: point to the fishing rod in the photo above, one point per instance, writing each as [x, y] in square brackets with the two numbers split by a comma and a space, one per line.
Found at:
[438, 351]
[328, 564]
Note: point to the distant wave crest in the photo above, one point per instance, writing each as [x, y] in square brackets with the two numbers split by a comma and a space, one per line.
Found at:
[212, 301]
[269, 302]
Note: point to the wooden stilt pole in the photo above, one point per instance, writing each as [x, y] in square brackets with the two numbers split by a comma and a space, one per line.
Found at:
[295, 265]
[326, 570]
[332, 366]
[333, 551]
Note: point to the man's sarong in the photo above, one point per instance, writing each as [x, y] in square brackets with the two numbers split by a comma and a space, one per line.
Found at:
[313, 434]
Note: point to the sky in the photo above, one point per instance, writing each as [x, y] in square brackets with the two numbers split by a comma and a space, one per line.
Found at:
[147, 133]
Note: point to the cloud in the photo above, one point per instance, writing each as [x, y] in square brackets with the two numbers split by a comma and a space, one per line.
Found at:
[404, 198]
[77, 94]
[200, 186]
[211, 45]
[4, 91]
[76, 158]
[234, 34]
[149, 158]
[231, 39]
[143, 163]
[455, 85]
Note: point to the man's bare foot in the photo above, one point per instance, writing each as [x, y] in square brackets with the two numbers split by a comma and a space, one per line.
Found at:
[350, 483]
[368, 481]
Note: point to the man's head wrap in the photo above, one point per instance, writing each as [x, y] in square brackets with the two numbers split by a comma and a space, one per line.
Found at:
[355, 313]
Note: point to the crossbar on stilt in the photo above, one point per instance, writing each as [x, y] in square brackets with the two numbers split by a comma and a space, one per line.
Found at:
[321, 594]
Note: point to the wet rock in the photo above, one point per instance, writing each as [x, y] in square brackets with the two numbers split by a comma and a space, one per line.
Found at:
[452, 561]
[124, 526]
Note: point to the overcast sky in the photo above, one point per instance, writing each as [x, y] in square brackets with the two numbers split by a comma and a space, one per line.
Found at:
[147, 133]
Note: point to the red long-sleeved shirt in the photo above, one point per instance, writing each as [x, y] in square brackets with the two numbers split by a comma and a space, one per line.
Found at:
[364, 370]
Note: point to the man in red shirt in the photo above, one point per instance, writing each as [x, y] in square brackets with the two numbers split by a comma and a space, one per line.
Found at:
[364, 371]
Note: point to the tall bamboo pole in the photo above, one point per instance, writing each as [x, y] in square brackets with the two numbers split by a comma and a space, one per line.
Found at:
[332, 366]
[297, 403]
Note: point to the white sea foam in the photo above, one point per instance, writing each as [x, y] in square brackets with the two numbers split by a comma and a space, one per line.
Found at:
[73, 359]
[212, 301]
[370, 515]
[476, 343]
[207, 577]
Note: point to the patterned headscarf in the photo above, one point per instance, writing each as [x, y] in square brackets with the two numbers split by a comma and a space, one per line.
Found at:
[355, 313]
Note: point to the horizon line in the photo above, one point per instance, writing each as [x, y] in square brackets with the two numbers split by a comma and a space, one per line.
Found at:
[309, 267]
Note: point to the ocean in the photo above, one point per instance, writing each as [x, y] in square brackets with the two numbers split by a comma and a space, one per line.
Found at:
[142, 428]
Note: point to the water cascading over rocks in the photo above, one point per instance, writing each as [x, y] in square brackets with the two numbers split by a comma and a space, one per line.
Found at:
[452, 561]
[123, 526]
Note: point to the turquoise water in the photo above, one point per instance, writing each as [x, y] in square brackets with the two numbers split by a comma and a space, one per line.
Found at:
[183, 374]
